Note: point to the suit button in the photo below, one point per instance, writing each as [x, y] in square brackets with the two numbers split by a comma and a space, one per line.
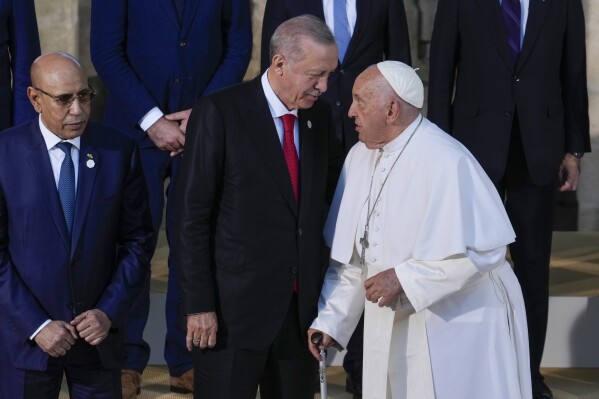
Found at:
[338, 103]
[342, 71]
[299, 232]
[182, 44]
[294, 270]
[516, 79]
[177, 80]
[508, 114]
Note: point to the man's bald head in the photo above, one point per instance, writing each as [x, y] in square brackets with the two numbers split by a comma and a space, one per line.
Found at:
[60, 93]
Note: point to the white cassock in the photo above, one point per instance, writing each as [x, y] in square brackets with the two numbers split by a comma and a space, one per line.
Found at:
[459, 328]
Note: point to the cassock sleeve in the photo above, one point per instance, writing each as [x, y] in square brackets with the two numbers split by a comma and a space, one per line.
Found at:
[341, 301]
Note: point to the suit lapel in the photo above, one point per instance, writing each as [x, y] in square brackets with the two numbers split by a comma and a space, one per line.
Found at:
[191, 7]
[169, 9]
[537, 13]
[89, 162]
[307, 131]
[363, 10]
[491, 12]
[39, 160]
[258, 121]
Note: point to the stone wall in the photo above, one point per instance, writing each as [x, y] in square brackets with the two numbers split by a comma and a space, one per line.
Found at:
[64, 25]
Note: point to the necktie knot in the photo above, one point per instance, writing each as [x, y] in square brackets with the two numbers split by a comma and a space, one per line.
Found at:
[65, 147]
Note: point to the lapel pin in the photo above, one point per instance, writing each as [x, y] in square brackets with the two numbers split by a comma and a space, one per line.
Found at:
[309, 124]
[90, 163]
[90, 156]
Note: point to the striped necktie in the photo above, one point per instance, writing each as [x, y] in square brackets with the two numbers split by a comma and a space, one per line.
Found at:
[510, 11]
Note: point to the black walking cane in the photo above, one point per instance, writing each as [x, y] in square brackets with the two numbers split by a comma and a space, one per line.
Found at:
[322, 365]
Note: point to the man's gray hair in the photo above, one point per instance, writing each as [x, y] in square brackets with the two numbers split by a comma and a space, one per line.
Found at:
[288, 36]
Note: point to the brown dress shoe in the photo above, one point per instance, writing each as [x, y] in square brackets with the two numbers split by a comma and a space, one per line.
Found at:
[130, 382]
[183, 383]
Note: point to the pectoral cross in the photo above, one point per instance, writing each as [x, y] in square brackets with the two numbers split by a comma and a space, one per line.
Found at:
[364, 243]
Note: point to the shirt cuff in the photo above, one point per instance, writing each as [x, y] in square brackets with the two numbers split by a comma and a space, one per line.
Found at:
[150, 118]
[44, 324]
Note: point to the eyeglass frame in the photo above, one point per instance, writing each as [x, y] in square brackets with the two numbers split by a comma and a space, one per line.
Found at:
[67, 104]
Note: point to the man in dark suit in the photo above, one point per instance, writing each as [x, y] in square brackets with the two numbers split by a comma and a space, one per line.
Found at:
[377, 31]
[249, 219]
[19, 46]
[75, 241]
[156, 57]
[520, 105]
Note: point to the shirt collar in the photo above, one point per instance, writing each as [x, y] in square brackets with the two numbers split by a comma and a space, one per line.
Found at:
[276, 106]
[51, 139]
[400, 141]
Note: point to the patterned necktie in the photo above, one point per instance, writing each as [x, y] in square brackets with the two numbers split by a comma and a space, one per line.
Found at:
[290, 152]
[341, 27]
[66, 184]
[510, 10]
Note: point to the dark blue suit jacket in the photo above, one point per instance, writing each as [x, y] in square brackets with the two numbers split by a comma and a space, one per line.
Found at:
[19, 46]
[43, 274]
[147, 59]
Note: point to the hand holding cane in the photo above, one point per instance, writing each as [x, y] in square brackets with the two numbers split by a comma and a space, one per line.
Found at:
[322, 364]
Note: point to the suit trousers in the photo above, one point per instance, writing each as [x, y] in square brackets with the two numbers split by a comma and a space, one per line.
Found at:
[530, 208]
[284, 370]
[85, 374]
[158, 166]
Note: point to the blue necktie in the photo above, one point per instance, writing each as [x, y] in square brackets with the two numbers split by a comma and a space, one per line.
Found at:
[510, 10]
[341, 27]
[66, 184]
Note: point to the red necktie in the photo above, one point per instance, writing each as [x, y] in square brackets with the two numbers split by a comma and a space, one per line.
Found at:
[290, 152]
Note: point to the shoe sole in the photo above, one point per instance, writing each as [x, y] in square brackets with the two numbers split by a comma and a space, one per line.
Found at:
[175, 389]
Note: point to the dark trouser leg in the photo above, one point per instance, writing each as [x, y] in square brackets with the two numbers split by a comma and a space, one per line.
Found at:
[530, 209]
[291, 370]
[531, 213]
[178, 358]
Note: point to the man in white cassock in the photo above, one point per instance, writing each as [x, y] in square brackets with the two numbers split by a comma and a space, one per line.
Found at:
[418, 239]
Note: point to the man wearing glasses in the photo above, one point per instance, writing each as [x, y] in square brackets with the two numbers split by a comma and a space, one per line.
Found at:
[75, 241]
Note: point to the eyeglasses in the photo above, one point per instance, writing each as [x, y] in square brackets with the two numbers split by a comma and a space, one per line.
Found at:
[66, 100]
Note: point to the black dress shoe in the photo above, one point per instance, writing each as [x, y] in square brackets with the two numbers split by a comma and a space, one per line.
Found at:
[353, 384]
[540, 390]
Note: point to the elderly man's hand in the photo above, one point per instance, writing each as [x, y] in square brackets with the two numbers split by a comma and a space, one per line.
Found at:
[93, 326]
[167, 136]
[201, 330]
[326, 342]
[569, 172]
[383, 288]
[56, 338]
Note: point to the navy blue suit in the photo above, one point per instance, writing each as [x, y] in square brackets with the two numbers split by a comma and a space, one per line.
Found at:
[148, 58]
[44, 273]
[19, 46]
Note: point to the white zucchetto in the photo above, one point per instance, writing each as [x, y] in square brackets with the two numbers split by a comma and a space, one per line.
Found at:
[404, 81]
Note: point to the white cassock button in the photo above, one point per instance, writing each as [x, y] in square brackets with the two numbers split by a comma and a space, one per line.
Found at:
[375, 244]
[376, 228]
[373, 260]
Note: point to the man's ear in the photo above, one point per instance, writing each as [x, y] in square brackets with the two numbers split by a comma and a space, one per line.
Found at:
[34, 98]
[277, 64]
[392, 111]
